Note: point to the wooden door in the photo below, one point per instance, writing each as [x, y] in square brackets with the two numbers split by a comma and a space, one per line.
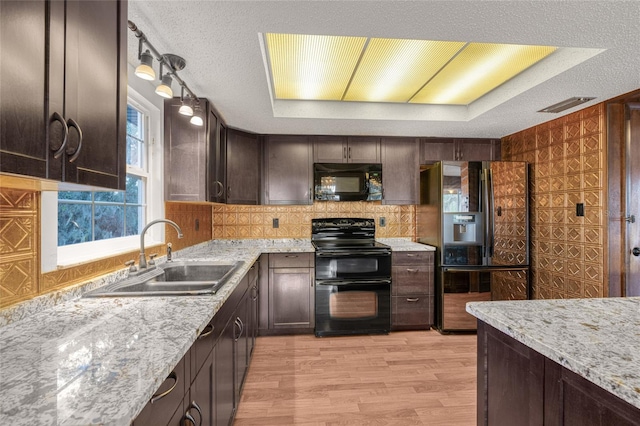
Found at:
[288, 170]
[437, 149]
[401, 171]
[23, 107]
[202, 394]
[243, 167]
[476, 149]
[291, 298]
[632, 287]
[330, 149]
[185, 156]
[363, 149]
[96, 102]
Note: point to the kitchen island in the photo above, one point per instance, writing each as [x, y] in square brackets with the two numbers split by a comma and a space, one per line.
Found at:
[574, 361]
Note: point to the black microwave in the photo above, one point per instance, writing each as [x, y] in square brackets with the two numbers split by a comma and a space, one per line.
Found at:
[347, 182]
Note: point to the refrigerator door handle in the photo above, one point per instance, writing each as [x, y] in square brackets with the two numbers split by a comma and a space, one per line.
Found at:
[490, 213]
[484, 206]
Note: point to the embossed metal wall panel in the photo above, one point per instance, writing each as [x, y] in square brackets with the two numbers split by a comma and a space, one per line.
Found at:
[568, 166]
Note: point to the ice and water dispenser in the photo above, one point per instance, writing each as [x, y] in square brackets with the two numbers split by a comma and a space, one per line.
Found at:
[463, 238]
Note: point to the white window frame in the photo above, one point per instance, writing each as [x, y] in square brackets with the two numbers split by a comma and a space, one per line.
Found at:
[54, 257]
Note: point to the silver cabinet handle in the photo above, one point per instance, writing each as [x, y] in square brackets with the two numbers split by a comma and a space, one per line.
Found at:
[219, 193]
[237, 323]
[344, 152]
[57, 117]
[74, 155]
[411, 270]
[159, 396]
[292, 256]
[349, 152]
[207, 331]
[188, 415]
[412, 299]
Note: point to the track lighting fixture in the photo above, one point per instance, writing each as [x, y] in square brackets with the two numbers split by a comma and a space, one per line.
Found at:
[197, 119]
[185, 108]
[145, 69]
[172, 64]
[164, 88]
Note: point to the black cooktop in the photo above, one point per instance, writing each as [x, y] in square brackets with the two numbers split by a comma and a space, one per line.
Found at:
[345, 233]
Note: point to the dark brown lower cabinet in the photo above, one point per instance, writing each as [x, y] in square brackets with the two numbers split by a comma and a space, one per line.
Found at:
[412, 290]
[519, 386]
[205, 387]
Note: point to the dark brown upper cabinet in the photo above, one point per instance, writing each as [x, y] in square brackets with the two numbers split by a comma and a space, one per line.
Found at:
[346, 149]
[243, 167]
[194, 156]
[63, 90]
[466, 149]
[288, 170]
[400, 170]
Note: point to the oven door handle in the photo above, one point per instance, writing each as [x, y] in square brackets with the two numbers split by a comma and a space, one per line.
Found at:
[331, 253]
[352, 282]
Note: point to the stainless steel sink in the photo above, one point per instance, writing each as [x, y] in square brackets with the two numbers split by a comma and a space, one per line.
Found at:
[182, 278]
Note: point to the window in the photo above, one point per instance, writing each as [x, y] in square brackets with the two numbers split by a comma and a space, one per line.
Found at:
[90, 216]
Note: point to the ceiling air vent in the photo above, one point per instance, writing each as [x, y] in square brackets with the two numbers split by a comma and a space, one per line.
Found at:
[566, 104]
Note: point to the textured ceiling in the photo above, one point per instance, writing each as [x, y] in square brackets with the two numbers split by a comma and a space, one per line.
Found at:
[221, 43]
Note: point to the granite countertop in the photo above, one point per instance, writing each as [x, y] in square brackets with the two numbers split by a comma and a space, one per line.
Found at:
[76, 361]
[405, 244]
[595, 338]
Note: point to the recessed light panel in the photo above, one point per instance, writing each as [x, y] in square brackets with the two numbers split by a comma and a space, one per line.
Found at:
[393, 70]
[316, 67]
[311, 66]
[478, 69]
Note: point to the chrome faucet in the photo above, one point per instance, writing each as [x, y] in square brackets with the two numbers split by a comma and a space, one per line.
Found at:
[143, 260]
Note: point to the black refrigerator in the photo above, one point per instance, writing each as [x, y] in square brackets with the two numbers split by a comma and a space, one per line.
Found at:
[476, 214]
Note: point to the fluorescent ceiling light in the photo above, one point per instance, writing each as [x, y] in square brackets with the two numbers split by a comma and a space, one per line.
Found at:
[315, 67]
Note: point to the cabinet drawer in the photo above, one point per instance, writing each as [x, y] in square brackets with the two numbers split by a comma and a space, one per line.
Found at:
[290, 260]
[412, 258]
[414, 310]
[411, 280]
[163, 407]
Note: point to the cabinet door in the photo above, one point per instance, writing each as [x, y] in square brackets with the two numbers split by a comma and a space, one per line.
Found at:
[288, 170]
[241, 348]
[243, 167]
[254, 310]
[291, 298]
[200, 405]
[476, 149]
[330, 149]
[363, 149]
[401, 171]
[217, 179]
[224, 375]
[23, 128]
[185, 156]
[437, 149]
[95, 104]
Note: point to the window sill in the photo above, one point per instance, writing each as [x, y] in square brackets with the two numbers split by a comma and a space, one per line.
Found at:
[78, 254]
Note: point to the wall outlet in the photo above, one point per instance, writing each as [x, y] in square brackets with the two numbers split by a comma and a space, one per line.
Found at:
[197, 224]
[580, 209]
[276, 222]
[383, 221]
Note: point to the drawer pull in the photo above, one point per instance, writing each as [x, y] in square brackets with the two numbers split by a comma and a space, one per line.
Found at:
[159, 396]
[207, 331]
[413, 299]
[411, 270]
[410, 254]
[291, 256]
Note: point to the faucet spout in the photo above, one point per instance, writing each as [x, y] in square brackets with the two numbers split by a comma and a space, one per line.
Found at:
[143, 258]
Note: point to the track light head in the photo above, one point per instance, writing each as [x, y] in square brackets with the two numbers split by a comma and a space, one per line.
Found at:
[164, 88]
[145, 69]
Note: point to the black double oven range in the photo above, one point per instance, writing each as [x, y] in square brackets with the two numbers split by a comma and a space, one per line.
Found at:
[352, 278]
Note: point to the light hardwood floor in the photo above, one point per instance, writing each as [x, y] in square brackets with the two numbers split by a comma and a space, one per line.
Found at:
[404, 378]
